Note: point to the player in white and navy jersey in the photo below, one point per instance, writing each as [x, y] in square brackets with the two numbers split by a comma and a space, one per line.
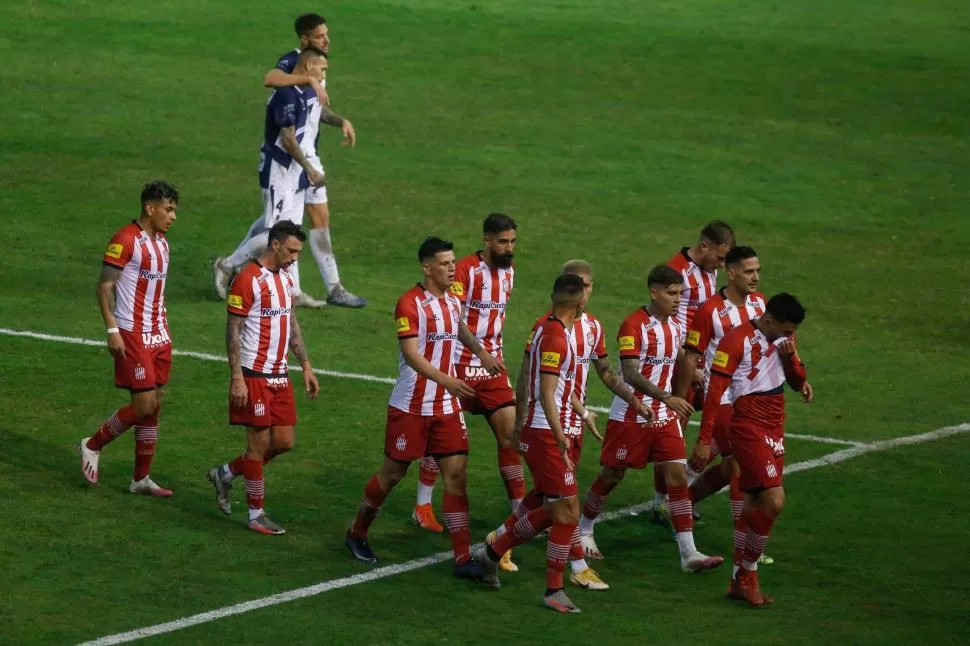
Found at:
[261, 330]
[424, 415]
[131, 295]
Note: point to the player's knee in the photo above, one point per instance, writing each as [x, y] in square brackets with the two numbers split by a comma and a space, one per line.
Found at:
[566, 511]
[612, 477]
[773, 501]
[455, 482]
[146, 405]
[675, 475]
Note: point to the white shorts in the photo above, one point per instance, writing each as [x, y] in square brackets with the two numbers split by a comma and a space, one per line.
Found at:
[316, 194]
[283, 200]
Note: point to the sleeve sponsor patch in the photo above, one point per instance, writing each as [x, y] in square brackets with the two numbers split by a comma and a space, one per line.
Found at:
[693, 337]
[457, 289]
[551, 359]
[720, 359]
[403, 324]
[114, 250]
[235, 300]
[626, 343]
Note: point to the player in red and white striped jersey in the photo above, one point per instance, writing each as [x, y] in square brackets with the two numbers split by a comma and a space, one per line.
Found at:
[590, 341]
[131, 295]
[751, 364]
[483, 283]
[261, 329]
[424, 415]
[547, 449]
[698, 265]
[650, 341]
[737, 303]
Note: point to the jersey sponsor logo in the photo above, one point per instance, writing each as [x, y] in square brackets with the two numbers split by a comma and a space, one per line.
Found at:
[550, 359]
[139, 372]
[259, 409]
[403, 324]
[235, 301]
[570, 375]
[152, 275]
[274, 311]
[457, 289]
[150, 340]
[114, 250]
[474, 372]
[693, 337]
[572, 431]
[584, 360]
[777, 446]
[720, 359]
[442, 336]
[486, 305]
[724, 311]
[660, 361]
[277, 382]
[693, 302]
[626, 343]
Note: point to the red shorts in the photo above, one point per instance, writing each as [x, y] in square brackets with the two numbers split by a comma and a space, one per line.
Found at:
[410, 437]
[721, 434]
[629, 445]
[760, 454]
[270, 403]
[549, 475]
[146, 365]
[491, 393]
[575, 443]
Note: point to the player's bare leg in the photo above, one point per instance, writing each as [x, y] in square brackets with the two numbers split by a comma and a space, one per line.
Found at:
[682, 519]
[322, 249]
[596, 496]
[760, 511]
[455, 507]
[375, 492]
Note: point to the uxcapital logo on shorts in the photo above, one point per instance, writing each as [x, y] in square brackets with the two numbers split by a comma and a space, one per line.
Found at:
[150, 340]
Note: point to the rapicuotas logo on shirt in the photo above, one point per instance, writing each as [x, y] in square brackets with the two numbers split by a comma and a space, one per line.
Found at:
[152, 275]
[486, 305]
[274, 311]
[660, 361]
[442, 336]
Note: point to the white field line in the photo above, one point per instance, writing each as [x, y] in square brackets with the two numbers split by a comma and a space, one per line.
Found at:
[391, 570]
[205, 356]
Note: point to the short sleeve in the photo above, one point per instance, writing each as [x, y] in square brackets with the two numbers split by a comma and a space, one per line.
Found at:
[600, 348]
[728, 355]
[629, 339]
[285, 105]
[460, 286]
[119, 250]
[553, 351]
[700, 333]
[241, 296]
[406, 318]
[532, 334]
[287, 62]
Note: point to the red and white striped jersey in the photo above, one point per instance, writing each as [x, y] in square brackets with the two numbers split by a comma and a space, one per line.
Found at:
[265, 299]
[715, 318]
[699, 285]
[140, 291]
[484, 293]
[655, 344]
[552, 351]
[433, 320]
[590, 342]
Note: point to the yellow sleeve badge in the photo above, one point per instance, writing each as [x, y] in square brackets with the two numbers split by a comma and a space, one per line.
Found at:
[626, 343]
[693, 337]
[457, 289]
[114, 250]
[235, 300]
[403, 324]
[550, 359]
[720, 359]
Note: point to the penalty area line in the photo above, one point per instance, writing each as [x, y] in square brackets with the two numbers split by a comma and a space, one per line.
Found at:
[399, 568]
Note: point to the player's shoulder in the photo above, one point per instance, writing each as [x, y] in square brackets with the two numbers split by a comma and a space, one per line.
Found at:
[128, 232]
[680, 260]
[415, 293]
[593, 321]
[757, 297]
[252, 269]
[735, 337]
[540, 320]
[711, 305]
[637, 317]
[471, 261]
[287, 62]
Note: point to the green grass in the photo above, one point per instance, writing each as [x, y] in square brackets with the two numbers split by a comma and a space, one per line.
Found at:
[832, 136]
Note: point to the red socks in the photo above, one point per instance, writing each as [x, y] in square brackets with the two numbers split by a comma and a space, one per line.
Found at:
[759, 529]
[681, 511]
[595, 497]
[456, 519]
[428, 471]
[740, 524]
[557, 553]
[253, 472]
[146, 435]
[576, 551]
[524, 529]
[510, 467]
[122, 419]
[369, 506]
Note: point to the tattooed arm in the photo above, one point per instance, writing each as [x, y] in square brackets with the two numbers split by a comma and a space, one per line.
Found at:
[238, 392]
[333, 119]
[467, 338]
[310, 383]
[632, 376]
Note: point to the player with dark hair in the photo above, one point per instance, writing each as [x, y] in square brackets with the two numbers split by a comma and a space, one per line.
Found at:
[424, 416]
[131, 296]
[261, 329]
[547, 449]
[650, 341]
[483, 283]
[312, 31]
[752, 362]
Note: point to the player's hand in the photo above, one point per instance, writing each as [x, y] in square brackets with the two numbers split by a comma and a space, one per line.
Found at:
[564, 452]
[350, 135]
[700, 457]
[316, 177]
[517, 438]
[808, 393]
[786, 349]
[116, 345]
[458, 388]
[645, 412]
[310, 383]
[680, 406]
[492, 365]
[322, 95]
[590, 424]
[698, 379]
[238, 393]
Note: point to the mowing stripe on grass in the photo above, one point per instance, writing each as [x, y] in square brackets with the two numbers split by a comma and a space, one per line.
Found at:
[205, 356]
[391, 570]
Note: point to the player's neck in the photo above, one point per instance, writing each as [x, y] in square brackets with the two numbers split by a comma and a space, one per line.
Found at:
[654, 310]
[433, 289]
[694, 253]
[565, 314]
[268, 261]
[487, 258]
[759, 325]
[146, 225]
[735, 296]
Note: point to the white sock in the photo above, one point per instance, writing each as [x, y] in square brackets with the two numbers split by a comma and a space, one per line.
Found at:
[294, 270]
[500, 531]
[734, 571]
[323, 253]
[247, 250]
[685, 541]
[514, 504]
[748, 565]
[586, 525]
[254, 513]
[424, 493]
[579, 565]
[659, 499]
[227, 474]
[691, 475]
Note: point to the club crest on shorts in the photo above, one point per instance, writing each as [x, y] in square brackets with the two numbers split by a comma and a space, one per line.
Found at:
[401, 443]
[771, 470]
[569, 479]
[139, 372]
[259, 409]
[621, 453]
